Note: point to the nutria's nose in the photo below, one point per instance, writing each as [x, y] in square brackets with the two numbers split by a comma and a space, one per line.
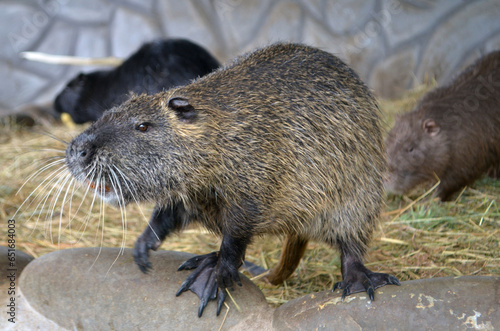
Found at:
[79, 149]
[75, 151]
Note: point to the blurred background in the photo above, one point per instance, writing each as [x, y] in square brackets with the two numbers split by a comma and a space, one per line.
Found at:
[394, 45]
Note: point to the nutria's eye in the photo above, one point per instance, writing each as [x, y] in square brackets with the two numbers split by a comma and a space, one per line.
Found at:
[143, 127]
[410, 150]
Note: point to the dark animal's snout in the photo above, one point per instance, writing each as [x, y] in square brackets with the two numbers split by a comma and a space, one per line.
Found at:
[80, 149]
[77, 151]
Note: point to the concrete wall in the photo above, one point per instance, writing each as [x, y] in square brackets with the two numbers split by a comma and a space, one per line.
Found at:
[393, 44]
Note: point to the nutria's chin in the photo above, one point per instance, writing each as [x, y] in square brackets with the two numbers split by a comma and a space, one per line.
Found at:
[112, 199]
[285, 140]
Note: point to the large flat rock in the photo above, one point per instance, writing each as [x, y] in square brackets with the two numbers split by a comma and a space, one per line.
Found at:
[447, 303]
[92, 289]
[12, 260]
[12, 263]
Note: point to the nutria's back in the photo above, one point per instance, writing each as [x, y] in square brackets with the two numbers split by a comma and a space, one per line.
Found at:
[474, 95]
[291, 131]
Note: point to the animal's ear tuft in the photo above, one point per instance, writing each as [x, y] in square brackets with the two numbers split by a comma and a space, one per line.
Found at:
[184, 110]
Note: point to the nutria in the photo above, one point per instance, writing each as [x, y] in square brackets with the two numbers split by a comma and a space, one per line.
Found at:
[285, 140]
[155, 67]
[453, 133]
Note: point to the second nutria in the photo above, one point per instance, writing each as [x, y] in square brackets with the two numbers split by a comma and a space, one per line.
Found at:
[453, 133]
[285, 140]
[155, 67]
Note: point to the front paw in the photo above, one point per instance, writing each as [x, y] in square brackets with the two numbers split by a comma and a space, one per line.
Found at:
[359, 280]
[209, 280]
[141, 252]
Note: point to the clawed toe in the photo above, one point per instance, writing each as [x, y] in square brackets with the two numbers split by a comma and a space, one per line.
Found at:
[145, 267]
[141, 256]
[196, 261]
[220, 301]
[393, 281]
[361, 281]
[337, 285]
[207, 280]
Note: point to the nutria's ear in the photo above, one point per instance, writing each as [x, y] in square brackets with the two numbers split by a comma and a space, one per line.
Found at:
[182, 108]
[430, 127]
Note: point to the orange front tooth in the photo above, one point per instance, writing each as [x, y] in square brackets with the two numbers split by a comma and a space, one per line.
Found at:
[94, 186]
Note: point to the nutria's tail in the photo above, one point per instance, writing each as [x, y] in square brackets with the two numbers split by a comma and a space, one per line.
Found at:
[292, 252]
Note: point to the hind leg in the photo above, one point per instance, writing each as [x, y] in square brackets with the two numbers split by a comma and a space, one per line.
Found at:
[355, 276]
[292, 252]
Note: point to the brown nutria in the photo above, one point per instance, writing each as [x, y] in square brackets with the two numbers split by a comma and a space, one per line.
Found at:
[285, 140]
[453, 133]
[155, 67]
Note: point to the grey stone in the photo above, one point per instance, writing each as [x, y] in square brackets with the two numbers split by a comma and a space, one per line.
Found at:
[238, 28]
[95, 11]
[448, 303]
[330, 43]
[28, 319]
[405, 20]
[362, 51]
[89, 288]
[130, 30]
[180, 19]
[21, 27]
[22, 86]
[348, 16]
[91, 43]
[97, 290]
[366, 34]
[59, 41]
[459, 34]
[284, 22]
[493, 44]
[43, 99]
[315, 9]
[94, 43]
[392, 77]
[12, 263]
[143, 5]
[18, 259]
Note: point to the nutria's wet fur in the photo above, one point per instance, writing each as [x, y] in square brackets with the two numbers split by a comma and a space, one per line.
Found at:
[453, 133]
[285, 140]
[155, 67]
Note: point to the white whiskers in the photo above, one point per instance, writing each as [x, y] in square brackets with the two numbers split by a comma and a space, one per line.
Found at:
[71, 200]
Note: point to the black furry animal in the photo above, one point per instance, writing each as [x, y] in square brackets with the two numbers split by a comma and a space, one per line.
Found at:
[155, 67]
